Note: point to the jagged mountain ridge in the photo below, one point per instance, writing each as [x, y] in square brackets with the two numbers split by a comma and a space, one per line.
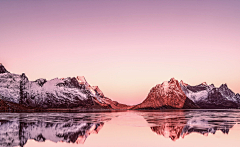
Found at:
[179, 95]
[211, 97]
[71, 92]
[76, 92]
[166, 95]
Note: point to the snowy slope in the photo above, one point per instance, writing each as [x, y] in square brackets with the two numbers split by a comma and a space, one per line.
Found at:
[55, 93]
[209, 96]
[64, 93]
[10, 87]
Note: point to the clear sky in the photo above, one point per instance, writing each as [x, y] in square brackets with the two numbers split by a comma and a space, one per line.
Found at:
[125, 47]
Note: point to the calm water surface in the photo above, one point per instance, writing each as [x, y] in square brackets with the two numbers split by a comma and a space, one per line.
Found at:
[188, 128]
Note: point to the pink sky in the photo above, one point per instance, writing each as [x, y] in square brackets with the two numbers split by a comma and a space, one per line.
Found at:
[125, 47]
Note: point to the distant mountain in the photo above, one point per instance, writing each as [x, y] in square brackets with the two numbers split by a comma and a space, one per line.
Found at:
[211, 97]
[167, 95]
[64, 93]
[179, 95]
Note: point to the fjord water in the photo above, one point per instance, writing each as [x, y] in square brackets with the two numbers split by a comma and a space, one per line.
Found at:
[186, 128]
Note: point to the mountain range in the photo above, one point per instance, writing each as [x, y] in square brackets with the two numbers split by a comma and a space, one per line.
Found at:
[17, 93]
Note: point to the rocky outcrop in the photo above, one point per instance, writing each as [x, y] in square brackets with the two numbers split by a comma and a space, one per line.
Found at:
[166, 95]
[3, 69]
[227, 93]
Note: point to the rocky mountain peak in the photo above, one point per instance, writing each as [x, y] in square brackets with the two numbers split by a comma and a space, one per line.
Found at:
[3, 69]
[81, 80]
[182, 83]
[223, 86]
[173, 80]
[168, 94]
[204, 83]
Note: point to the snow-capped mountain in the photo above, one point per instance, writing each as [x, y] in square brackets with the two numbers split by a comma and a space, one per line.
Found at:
[71, 92]
[196, 93]
[166, 95]
[211, 97]
[55, 93]
[179, 95]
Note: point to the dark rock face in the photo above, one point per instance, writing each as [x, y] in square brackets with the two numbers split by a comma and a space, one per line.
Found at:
[189, 104]
[6, 106]
[2, 69]
[23, 95]
[197, 88]
[225, 91]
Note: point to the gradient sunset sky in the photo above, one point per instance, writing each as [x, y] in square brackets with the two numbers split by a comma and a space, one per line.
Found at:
[125, 47]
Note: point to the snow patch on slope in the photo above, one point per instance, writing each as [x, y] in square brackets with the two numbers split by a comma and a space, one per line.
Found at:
[10, 87]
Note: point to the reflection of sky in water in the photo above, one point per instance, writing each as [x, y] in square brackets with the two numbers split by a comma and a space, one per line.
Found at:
[132, 128]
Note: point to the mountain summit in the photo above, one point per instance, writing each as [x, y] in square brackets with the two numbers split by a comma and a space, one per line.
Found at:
[3, 69]
[166, 95]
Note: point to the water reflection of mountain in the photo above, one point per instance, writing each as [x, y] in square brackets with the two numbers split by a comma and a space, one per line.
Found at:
[181, 123]
[16, 130]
